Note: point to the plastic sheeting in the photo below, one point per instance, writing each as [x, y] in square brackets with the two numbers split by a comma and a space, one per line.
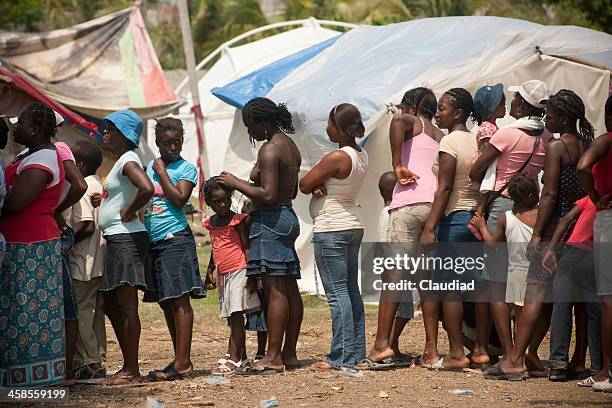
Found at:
[373, 66]
[234, 63]
[96, 67]
[261, 82]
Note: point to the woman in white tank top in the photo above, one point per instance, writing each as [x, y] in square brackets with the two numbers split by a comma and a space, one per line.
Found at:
[338, 230]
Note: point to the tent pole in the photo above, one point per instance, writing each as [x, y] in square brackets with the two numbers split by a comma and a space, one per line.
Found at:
[193, 85]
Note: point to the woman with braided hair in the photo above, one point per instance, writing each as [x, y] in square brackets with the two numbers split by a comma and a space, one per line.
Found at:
[414, 146]
[334, 183]
[454, 204]
[31, 298]
[565, 114]
[274, 229]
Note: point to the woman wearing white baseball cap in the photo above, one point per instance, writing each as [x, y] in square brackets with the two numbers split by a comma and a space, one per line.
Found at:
[517, 147]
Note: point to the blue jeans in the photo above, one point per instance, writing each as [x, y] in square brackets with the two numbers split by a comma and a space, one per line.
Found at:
[337, 257]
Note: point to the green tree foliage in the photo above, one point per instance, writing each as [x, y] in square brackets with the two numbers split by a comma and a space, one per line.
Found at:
[23, 15]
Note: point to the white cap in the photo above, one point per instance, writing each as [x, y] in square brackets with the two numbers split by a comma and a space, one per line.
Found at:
[59, 119]
[534, 92]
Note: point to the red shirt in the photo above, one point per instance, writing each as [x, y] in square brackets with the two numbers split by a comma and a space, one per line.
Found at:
[582, 235]
[602, 173]
[35, 223]
[227, 251]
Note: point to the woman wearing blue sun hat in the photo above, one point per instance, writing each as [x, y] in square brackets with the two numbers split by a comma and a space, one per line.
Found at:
[127, 265]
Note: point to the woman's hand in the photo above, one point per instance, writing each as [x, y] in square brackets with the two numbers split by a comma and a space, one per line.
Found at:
[95, 199]
[404, 176]
[532, 248]
[428, 240]
[549, 261]
[604, 202]
[478, 221]
[319, 191]
[127, 216]
[159, 166]
[251, 285]
[227, 179]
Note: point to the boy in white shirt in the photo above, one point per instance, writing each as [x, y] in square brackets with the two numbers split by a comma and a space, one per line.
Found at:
[404, 313]
[87, 265]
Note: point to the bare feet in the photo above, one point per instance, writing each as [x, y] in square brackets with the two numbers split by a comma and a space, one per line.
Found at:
[268, 362]
[322, 366]
[533, 363]
[452, 363]
[381, 355]
[480, 359]
[430, 357]
[290, 360]
[508, 367]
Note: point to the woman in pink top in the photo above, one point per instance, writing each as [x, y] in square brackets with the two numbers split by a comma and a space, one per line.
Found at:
[414, 146]
[594, 170]
[519, 147]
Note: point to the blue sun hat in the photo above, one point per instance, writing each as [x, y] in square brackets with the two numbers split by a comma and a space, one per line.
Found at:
[487, 99]
[128, 123]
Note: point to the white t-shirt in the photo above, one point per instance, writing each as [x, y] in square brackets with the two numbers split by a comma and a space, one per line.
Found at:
[383, 224]
[87, 256]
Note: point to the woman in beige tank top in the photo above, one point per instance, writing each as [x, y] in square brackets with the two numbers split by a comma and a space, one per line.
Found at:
[338, 230]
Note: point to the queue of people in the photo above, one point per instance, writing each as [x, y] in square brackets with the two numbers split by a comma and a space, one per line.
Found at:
[459, 194]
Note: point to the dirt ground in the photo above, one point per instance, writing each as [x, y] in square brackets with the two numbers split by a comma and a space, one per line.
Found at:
[304, 388]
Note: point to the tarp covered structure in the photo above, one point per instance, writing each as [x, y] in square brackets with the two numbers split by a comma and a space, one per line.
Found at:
[96, 67]
[233, 63]
[373, 66]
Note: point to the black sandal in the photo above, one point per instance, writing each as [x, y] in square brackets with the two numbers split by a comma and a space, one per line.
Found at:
[169, 373]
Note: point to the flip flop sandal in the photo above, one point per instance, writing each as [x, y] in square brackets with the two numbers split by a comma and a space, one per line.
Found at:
[84, 373]
[169, 373]
[439, 366]
[121, 380]
[538, 373]
[404, 361]
[227, 368]
[322, 366]
[251, 369]
[558, 375]
[587, 382]
[582, 375]
[369, 364]
[496, 373]
[429, 366]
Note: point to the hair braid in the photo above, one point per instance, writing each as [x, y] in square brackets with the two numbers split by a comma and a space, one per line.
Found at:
[567, 103]
[211, 185]
[43, 117]
[460, 98]
[259, 110]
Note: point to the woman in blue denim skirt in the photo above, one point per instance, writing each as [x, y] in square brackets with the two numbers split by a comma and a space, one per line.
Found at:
[338, 230]
[451, 211]
[274, 229]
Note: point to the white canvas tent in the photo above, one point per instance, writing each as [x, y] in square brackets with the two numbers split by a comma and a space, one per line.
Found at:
[373, 66]
[233, 63]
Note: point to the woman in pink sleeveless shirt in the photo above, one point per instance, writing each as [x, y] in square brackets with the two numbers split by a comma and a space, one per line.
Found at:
[414, 146]
[595, 172]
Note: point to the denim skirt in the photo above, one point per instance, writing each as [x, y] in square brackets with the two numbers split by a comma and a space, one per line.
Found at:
[174, 269]
[273, 233]
[127, 261]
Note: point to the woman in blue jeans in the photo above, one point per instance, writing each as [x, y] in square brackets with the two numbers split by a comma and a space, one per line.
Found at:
[453, 206]
[338, 230]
